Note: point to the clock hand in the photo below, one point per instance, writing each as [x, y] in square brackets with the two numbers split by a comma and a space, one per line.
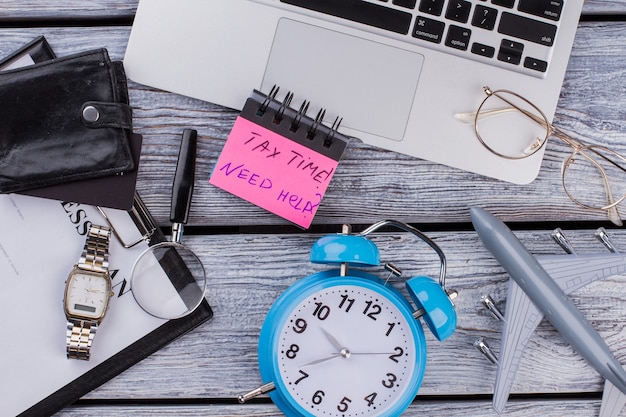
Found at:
[343, 353]
[315, 362]
[333, 341]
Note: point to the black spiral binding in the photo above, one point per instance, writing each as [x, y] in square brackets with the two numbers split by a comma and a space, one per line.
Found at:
[278, 116]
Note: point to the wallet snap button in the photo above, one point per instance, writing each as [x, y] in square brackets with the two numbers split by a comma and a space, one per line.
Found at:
[91, 114]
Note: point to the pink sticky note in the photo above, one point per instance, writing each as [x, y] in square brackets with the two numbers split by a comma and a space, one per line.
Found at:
[273, 172]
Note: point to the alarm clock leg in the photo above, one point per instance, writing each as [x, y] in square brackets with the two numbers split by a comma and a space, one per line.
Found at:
[256, 392]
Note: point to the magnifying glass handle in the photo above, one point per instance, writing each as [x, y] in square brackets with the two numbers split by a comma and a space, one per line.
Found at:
[183, 183]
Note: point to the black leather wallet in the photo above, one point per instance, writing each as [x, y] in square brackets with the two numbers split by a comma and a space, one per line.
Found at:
[64, 120]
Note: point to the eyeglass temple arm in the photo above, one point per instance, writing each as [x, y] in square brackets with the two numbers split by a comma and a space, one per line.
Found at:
[470, 117]
[613, 214]
[610, 161]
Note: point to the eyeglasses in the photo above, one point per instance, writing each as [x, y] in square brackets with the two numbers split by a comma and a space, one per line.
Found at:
[511, 127]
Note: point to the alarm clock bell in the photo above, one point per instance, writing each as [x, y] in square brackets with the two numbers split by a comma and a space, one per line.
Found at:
[434, 304]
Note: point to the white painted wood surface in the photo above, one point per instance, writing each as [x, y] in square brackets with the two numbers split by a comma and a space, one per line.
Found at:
[28, 9]
[253, 256]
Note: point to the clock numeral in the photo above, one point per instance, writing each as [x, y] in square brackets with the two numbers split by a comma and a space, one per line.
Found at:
[391, 326]
[344, 404]
[292, 352]
[396, 355]
[318, 397]
[304, 375]
[375, 310]
[299, 326]
[321, 311]
[344, 300]
[370, 399]
[391, 381]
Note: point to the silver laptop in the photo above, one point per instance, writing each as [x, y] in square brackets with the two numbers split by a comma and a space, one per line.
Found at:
[397, 71]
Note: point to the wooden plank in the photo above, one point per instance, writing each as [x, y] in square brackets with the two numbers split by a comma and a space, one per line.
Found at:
[572, 408]
[370, 183]
[12, 11]
[248, 272]
[603, 7]
[79, 9]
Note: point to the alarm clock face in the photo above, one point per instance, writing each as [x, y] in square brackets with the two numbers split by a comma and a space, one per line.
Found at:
[347, 347]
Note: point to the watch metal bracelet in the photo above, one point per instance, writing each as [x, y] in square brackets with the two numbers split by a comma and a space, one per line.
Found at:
[95, 256]
[80, 334]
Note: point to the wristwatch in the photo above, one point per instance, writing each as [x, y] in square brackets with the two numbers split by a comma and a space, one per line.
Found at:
[87, 293]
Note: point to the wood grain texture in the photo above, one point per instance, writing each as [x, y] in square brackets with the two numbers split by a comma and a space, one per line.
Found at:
[15, 10]
[248, 272]
[202, 372]
[218, 361]
[571, 408]
[371, 183]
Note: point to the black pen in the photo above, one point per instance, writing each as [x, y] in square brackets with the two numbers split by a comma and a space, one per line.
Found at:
[182, 189]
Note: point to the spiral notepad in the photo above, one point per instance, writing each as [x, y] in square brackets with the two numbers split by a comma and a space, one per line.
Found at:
[279, 158]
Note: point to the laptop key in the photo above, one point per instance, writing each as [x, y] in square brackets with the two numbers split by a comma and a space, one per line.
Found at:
[458, 37]
[458, 10]
[382, 17]
[535, 64]
[409, 4]
[510, 52]
[434, 7]
[428, 29]
[483, 50]
[484, 17]
[548, 9]
[528, 29]
[504, 3]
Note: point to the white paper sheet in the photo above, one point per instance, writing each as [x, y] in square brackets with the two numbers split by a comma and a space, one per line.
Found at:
[40, 241]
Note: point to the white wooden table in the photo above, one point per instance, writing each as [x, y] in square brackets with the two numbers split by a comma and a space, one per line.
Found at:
[253, 256]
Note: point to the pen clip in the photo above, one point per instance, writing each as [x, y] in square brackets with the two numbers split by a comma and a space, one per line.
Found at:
[182, 189]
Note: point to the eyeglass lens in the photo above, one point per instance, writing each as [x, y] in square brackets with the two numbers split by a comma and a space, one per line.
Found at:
[594, 177]
[510, 126]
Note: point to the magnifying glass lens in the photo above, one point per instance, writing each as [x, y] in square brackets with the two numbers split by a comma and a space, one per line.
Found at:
[168, 280]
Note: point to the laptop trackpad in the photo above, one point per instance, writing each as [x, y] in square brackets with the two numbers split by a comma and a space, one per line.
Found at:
[371, 85]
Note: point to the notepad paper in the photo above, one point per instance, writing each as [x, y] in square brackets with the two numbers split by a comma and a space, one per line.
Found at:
[276, 168]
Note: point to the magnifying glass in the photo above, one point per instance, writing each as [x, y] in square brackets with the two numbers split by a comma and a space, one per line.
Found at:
[168, 280]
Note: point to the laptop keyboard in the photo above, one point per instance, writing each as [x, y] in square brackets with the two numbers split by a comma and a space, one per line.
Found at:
[515, 34]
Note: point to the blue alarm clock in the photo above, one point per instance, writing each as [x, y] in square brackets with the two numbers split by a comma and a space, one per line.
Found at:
[346, 343]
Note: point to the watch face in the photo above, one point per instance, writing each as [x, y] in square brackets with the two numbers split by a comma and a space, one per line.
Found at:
[350, 350]
[87, 295]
